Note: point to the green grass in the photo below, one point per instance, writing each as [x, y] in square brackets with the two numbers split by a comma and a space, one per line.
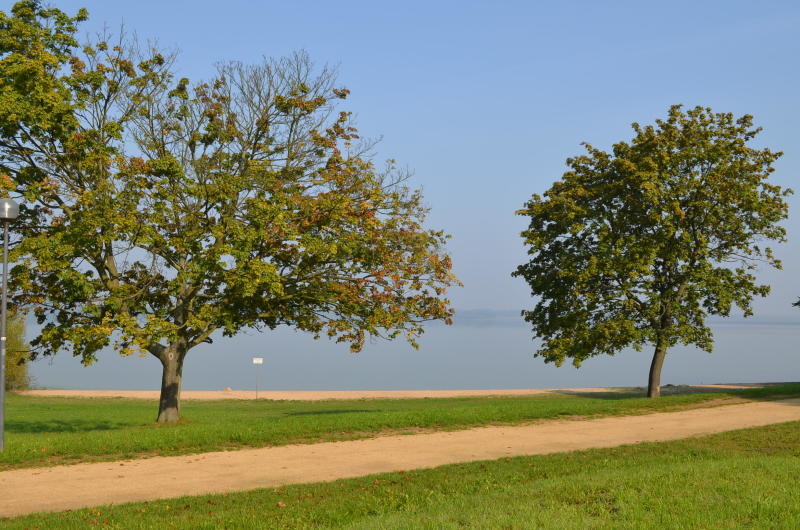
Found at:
[45, 431]
[748, 478]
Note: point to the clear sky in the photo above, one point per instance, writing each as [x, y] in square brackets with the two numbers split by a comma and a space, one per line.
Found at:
[484, 101]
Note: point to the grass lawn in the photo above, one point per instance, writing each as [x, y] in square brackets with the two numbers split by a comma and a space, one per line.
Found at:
[44, 431]
[747, 478]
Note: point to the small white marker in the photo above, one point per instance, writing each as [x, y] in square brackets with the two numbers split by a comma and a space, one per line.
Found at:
[257, 360]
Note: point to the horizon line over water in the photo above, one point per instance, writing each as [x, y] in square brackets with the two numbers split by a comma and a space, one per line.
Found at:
[513, 317]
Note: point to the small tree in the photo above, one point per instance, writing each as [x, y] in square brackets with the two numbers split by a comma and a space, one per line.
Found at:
[16, 372]
[639, 245]
[157, 213]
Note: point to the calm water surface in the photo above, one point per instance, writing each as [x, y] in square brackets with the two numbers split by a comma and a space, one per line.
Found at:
[468, 355]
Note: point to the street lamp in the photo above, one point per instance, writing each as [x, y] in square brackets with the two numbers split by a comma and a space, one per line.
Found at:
[9, 210]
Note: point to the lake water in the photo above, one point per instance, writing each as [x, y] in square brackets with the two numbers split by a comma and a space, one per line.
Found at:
[470, 355]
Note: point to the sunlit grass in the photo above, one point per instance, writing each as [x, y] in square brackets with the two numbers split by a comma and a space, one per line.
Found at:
[44, 431]
[748, 478]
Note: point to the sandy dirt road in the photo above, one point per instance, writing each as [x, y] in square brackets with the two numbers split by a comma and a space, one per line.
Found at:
[83, 485]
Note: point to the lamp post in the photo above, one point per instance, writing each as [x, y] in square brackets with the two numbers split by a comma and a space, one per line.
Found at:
[9, 210]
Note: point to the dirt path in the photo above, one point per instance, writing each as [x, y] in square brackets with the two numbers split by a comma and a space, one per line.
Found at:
[317, 395]
[83, 485]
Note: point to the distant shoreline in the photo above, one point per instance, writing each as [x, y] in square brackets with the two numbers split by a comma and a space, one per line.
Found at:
[319, 395]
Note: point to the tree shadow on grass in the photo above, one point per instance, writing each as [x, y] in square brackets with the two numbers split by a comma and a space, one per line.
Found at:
[755, 392]
[323, 412]
[640, 392]
[604, 395]
[58, 426]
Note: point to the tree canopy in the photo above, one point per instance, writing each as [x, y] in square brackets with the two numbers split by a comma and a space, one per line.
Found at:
[639, 245]
[156, 211]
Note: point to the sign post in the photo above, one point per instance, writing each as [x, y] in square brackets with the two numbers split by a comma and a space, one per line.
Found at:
[257, 360]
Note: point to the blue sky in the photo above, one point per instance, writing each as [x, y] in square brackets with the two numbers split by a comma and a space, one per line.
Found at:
[484, 101]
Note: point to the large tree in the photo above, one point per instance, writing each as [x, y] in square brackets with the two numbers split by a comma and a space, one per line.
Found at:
[638, 246]
[157, 212]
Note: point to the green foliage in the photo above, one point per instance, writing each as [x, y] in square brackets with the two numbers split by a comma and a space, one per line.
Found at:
[157, 212]
[35, 42]
[17, 354]
[693, 483]
[641, 244]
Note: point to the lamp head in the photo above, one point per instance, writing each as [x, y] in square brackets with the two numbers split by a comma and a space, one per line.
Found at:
[9, 210]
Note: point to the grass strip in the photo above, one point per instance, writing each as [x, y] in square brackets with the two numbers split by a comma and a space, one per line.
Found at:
[48, 431]
[746, 478]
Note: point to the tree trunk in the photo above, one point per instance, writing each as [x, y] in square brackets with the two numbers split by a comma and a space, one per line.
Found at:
[169, 405]
[654, 383]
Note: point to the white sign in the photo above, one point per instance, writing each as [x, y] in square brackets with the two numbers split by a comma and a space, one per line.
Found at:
[258, 360]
